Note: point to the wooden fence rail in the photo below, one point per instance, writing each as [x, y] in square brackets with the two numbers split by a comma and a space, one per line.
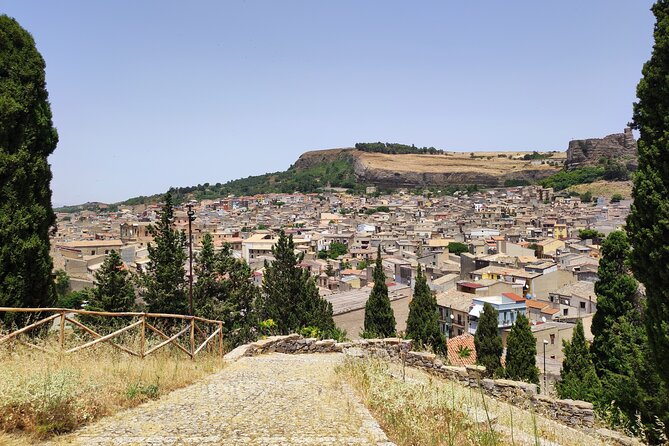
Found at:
[213, 329]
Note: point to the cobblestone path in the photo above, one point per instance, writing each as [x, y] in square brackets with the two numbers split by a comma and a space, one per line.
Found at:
[264, 400]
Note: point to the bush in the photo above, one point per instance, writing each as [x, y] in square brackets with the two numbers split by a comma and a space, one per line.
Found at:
[566, 178]
[616, 198]
[457, 248]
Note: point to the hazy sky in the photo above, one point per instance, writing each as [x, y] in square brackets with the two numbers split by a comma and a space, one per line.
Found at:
[152, 94]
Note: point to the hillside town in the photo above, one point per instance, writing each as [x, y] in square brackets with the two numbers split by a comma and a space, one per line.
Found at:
[521, 249]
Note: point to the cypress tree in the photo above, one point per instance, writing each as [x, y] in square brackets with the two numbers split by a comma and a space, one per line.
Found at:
[488, 342]
[289, 294]
[27, 138]
[620, 350]
[616, 297]
[648, 222]
[521, 352]
[578, 378]
[423, 320]
[379, 316]
[165, 278]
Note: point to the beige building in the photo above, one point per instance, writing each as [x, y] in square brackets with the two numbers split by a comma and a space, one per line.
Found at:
[349, 308]
[80, 248]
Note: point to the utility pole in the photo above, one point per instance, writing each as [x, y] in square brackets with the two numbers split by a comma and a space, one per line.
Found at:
[545, 378]
[191, 218]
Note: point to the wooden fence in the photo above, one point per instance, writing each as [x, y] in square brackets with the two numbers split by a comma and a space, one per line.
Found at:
[198, 331]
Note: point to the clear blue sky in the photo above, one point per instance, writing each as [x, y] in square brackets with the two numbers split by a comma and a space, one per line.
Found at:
[152, 94]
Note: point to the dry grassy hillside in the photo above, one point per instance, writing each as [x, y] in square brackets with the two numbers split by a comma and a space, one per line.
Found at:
[494, 163]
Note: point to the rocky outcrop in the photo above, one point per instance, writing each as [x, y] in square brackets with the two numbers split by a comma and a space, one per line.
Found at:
[583, 152]
[315, 157]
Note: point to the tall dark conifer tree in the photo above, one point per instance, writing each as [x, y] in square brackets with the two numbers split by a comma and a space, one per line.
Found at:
[289, 294]
[423, 319]
[620, 350]
[27, 138]
[521, 352]
[113, 290]
[379, 316]
[648, 222]
[578, 379]
[488, 342]
[165, 288]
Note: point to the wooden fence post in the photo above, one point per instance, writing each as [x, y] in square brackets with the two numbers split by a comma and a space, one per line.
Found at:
[220, 338]
[62, 330]
[192, 338]
[143, 337]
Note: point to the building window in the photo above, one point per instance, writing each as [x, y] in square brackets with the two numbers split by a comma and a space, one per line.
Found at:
[552, 339]
[565, 312]
[583, 305]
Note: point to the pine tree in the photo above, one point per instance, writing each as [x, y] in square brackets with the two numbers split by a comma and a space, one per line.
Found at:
[488, 342]
[113, 290]
[423, 320]
[521, 352]
[206, 289]
[578, 378]
[235, 304]
[165, 277]
[648, 222]
[289, 294]
[27, 138]
[379, 316]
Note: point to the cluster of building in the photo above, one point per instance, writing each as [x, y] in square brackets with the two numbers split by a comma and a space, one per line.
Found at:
[524, 254]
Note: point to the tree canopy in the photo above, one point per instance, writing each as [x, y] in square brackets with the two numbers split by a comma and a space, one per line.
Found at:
[379, 316]
[164, 280]
[648, 222]
[27, 138]
[224, 291]
[488, 342]
[423, 319]
[521, 352]
[578, 379]
[289, 295]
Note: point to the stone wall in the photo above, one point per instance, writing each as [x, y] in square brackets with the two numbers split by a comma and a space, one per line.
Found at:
[578, 414]
[582, 152]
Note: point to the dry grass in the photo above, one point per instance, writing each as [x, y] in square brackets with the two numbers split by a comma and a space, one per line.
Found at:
[605, 188]
[424, 410]
[485, 162]
[46, 394]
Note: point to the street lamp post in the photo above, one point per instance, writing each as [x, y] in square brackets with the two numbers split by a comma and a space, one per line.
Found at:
[191, 218]
[545, 385]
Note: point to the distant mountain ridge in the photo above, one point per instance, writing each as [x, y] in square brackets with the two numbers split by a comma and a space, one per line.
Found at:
[392, 166]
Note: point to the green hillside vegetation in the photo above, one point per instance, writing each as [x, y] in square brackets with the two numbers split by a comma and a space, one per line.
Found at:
[337, 173]
[607, 169]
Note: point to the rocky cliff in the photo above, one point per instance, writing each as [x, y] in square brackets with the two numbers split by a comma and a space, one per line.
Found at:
[583, 152]
[450, 168]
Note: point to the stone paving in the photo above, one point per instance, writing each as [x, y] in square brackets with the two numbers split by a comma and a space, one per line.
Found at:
[264, 400]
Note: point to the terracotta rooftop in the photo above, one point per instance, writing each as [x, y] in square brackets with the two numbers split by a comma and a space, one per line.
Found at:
[458, 344]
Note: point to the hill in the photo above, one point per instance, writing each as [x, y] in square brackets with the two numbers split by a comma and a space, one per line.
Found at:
[355, 169]
[391, 165]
